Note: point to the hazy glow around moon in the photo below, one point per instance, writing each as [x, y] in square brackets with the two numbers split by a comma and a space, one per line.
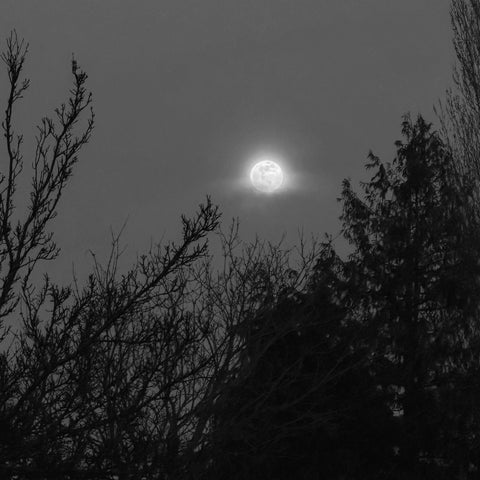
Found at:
[266, 176]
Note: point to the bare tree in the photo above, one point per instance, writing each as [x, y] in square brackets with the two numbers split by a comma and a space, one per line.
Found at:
[26, 240]
[252, 279]
[68, 374]
[121, 379]
[118, 378]
[460, 113]
[90, 366]
[460, 118]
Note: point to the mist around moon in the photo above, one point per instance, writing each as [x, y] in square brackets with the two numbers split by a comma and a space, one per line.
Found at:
[266, 176]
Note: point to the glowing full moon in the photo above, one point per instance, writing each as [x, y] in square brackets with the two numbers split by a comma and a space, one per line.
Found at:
[266, 176]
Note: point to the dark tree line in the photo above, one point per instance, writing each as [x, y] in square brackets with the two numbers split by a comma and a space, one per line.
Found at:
[277, 364]
[371, 371]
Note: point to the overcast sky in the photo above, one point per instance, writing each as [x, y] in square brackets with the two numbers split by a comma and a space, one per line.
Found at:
[188, 92]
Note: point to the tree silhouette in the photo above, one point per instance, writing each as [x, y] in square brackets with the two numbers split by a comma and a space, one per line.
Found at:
[303, 400]
[413, 271]
[257, 276]
[118, 378]
[93, 380]
[460, 113]
[370, 370]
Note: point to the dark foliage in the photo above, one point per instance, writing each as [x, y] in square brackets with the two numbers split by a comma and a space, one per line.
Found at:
[294, 409]
[414, 271]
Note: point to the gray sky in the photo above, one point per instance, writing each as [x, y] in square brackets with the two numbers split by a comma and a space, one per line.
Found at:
[187, 92]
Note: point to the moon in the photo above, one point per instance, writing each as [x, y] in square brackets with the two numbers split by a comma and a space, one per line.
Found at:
[266, 176]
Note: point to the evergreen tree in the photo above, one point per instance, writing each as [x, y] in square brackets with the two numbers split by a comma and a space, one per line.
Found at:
[413, 273]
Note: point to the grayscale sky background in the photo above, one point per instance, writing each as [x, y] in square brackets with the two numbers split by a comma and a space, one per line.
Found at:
[187, 92]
